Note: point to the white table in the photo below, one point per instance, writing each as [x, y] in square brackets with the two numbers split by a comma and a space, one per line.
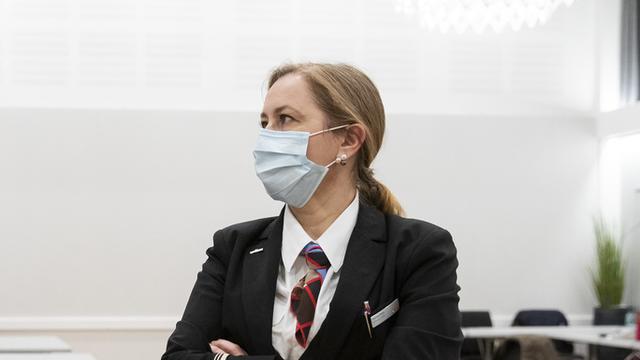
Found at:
[615, 336]
[32, 344]
[47, 356]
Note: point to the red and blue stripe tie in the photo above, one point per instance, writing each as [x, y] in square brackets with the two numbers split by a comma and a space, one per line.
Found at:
[304, 295]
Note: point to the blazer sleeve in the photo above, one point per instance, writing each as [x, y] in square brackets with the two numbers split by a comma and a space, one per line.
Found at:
[202, 318]
[428, 323]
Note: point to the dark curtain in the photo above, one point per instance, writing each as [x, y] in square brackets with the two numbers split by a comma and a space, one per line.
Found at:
[630, 56]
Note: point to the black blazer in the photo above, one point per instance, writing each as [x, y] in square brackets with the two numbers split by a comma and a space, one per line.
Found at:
[387, 257]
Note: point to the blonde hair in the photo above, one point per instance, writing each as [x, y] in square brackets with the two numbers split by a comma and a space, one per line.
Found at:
[348, 96]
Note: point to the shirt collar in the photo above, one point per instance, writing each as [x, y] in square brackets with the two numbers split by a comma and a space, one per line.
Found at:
[333, 241]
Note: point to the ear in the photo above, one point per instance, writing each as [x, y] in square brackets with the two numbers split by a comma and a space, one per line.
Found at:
[355, 135]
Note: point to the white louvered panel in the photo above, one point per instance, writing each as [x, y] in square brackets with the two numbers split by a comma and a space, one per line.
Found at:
[105, 44]
[174, 60]
[173, 43]
[106, 59]
[327, 49]
[4, 53]
[40, 44]
[392, 64]
[528, 65]
[32, 72]
[3, 58]
[198, 49]
[332, 17]
[105, 12]
[389, 50]
[179, 11]
[433, 65]
[105, 73]
[265, 14]
[256, 55]
[330, 31]
[380, 16]
[537, 68]
[39, 58]
[264, 38]
[39, 10]
[475, 65]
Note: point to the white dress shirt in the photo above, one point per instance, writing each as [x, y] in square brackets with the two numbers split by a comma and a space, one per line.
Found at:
[293, 267]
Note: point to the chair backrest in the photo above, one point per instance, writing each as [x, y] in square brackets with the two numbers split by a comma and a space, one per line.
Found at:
[473, 319]
[476, 318]
[540, 318]
[550, 317]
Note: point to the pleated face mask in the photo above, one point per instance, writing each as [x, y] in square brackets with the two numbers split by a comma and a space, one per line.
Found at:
[283, 167]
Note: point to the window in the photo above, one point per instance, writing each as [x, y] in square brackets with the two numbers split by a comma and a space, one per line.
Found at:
[630, 57]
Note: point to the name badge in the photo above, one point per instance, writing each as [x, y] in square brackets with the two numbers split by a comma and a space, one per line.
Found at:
[388, 311]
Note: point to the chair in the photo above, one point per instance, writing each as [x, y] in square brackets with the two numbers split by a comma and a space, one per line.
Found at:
[470, 347]
[547, 318]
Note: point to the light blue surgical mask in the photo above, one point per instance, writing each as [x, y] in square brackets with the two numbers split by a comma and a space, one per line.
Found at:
[281, 163]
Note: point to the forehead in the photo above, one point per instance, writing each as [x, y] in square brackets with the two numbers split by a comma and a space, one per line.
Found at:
[290, 90]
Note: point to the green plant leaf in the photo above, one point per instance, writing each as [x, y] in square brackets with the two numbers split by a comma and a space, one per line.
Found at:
[609, 273]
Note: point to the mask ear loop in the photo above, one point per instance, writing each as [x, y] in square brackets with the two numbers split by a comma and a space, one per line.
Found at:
[330, 129]
[342, 159]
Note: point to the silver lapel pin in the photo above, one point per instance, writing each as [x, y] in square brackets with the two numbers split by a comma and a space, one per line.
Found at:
[255, 251]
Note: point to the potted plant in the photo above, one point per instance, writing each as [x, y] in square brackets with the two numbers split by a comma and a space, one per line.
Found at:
[608, 276]
[608, 284]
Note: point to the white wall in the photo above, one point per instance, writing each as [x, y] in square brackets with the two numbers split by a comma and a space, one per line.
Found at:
[620, 190]
[608, 39]
[630, 211]
[122, 205]
[619, 131]
[518, 195]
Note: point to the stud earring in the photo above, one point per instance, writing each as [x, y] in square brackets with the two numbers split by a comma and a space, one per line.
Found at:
[342, 159]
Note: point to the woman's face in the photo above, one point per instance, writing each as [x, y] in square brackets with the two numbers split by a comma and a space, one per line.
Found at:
[289, 105]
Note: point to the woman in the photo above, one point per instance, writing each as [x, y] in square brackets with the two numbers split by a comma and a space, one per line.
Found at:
[339, 274]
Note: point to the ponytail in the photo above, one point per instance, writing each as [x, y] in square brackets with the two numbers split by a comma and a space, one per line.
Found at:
[376, 193]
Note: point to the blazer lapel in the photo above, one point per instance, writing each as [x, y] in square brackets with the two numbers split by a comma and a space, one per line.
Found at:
[363, 261]
[260, 272]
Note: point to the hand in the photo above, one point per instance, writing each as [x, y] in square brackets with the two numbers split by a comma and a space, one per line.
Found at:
[226, 347]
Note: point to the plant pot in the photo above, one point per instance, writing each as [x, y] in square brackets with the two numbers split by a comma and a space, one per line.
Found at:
[610, 316]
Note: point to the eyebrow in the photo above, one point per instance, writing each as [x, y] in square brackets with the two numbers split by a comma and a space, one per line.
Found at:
[279, 109]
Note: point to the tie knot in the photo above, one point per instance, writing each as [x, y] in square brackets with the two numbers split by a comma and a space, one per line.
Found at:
[316, 259]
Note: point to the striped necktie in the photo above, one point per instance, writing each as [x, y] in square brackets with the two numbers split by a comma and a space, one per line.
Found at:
[305, 294]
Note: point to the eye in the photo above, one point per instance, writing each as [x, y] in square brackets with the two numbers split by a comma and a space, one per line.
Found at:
[263, 123]
[285, 117]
